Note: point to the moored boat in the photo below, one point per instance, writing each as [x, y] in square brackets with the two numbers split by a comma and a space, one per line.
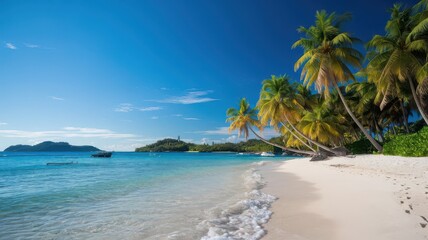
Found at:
[103, 154]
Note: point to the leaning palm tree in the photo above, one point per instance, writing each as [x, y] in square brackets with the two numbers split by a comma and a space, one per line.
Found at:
[400, 56]
[244, 118]
[279, 103]
[323, 125]
[328, 51]
[362, 97]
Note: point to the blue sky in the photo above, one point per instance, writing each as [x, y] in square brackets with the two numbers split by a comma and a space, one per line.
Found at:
[122, 74]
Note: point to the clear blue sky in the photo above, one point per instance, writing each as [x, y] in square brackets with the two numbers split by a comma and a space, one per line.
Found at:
[122, 74]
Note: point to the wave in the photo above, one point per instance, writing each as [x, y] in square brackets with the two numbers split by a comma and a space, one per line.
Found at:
[244, 219]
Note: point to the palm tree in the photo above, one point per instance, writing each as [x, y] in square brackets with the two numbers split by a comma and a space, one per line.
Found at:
[362, 96]
[243, 118]
[327, 53]
[323, 125]
[279, 103]
[400, 57]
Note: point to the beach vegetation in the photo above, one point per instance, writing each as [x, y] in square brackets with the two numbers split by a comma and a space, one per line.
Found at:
[348, 98]
[409, 145]
[243, 118]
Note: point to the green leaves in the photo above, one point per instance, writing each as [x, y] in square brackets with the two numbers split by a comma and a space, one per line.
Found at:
[410, 145]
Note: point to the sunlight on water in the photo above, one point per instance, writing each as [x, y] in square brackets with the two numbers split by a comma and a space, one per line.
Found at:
[131, 196]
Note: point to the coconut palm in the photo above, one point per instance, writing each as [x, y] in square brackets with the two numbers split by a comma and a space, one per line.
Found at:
[243, 118]
[399, 57]
[323, 125]
[328, 51]
[279, 103]
[362, 97]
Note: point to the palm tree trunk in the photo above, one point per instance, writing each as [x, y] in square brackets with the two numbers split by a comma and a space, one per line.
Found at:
[297, 137]
[405, 120]
[279, 146]
[418, 104]
[368, 136]
[379, 130]
[312, 141]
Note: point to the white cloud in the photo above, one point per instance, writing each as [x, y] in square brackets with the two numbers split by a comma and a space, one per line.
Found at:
[191, 97]
[267, 132]
[29, 45]
[218, 131]
[164, 89]
[177, 115]
[191, 119]
[57, 98]
[124, 107]
[232, 138]
[127, 107]
[155, 117]
[147, 109]
[3, 123]
[10, 46]
[67, 132]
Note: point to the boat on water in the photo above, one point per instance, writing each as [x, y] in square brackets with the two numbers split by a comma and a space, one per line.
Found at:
[60, 163]
[103, 154]
[267, 154]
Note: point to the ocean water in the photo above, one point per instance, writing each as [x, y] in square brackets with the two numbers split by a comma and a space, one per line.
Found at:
[133, 196]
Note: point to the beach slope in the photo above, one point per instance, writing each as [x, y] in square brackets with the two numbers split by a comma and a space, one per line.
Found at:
[366, 197]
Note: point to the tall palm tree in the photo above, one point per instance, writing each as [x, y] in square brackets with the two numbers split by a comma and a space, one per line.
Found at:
[328, 51]
[279, 103]
[243, 118]
[400, 56]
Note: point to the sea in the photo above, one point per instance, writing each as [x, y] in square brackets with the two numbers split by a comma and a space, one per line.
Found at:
[172, 196]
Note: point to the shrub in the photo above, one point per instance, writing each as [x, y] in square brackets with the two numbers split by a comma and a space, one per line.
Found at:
[411, 145]
[362, 146]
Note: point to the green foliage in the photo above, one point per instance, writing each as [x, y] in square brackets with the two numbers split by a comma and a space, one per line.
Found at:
[172, 145]
[254, 145]
[362, 146]
[414, 145]
[166, 145]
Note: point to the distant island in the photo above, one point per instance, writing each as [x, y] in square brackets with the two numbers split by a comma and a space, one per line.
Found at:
[49, 146]
[174, 145]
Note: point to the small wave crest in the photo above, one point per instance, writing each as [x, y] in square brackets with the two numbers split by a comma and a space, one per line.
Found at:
[260, 163]
[244, 219]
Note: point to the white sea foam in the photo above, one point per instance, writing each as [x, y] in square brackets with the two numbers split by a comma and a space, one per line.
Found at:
[260, 163]
[244, 219]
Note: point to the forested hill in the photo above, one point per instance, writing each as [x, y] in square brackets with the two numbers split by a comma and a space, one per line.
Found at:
[51, 147]
[173, 145]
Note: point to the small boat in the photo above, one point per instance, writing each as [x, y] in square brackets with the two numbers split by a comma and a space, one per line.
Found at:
[267, 154]
[102, 154]
[60, 163]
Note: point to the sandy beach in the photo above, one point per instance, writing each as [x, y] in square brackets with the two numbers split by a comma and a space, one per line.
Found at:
[366, 197]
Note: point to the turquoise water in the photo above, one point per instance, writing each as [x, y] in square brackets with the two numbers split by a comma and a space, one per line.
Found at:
[132, 196]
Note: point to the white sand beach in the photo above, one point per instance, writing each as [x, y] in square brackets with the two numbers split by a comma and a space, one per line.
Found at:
[366, 197]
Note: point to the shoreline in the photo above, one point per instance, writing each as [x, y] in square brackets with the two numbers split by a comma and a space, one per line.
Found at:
[367, 197]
